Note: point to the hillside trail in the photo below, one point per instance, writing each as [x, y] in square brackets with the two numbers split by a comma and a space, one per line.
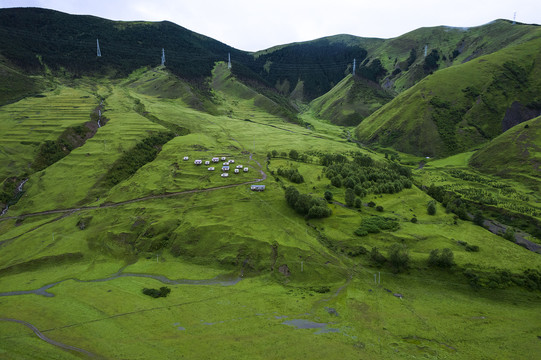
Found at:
[50, 341]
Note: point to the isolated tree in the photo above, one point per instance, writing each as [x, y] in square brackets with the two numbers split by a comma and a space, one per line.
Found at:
[431, 208]
[274, 153]
[292, 195]
[336, 181]
[377, 257]
[294, 154]
[350, 197]
[399, 257]
[358, 203]
[328, 195]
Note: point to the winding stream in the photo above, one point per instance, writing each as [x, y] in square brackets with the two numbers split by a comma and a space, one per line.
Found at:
[163, 279]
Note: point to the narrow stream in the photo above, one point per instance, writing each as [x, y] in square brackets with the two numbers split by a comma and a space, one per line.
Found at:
[163, 279]
[19, 190]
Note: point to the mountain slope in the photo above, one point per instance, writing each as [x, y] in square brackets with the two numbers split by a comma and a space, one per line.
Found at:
[64, 42]
[350, 101]
[521, 157]
[459, 107]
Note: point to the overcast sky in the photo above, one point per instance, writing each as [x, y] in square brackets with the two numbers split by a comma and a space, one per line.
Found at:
[256, 25]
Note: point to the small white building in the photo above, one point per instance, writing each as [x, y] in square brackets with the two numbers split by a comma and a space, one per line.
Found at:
[207, 162]
[215, 159]
[225, 163]
[239, 166]
[245, 169]
[186, 158]
[232, 161]
[198, 162]
[223, 158]
[225, 175]
[225, 168]
[211, 168]
[257, 187]
[237, 171]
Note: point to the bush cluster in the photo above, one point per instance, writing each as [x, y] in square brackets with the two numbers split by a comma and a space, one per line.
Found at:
[375, 224]
[156, 293]
[364, 175]
[443, 259]
[292, 175]
[307, 205]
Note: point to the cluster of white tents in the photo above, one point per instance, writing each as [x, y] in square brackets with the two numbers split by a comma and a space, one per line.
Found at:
[225, 165]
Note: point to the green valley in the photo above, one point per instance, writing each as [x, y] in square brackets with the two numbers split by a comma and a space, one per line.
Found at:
[394, 222]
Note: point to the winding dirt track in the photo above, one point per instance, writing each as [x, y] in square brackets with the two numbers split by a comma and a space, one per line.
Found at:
[50, 341]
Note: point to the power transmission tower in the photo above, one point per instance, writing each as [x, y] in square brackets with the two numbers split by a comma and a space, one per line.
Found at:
[353, 72]
[163, 57]
[98, 43]
[229, 60]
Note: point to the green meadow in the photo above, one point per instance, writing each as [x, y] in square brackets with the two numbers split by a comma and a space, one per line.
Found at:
[250, 277]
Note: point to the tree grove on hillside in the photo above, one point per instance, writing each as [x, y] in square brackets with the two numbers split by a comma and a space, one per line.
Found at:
[307, 205]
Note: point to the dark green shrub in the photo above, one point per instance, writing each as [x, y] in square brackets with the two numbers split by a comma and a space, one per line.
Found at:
[445, 259]
[328, 195]
[350, 197]
[472, 248]
[431, 208]
[399, 257]
[155, 293]
[377, 257]
[379, 208]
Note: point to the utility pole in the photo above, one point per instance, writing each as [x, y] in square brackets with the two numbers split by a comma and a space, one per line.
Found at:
[163, 57]
[354, 67]
[514, 18]
[229, 60]
[426, 49]
[302, 267]
[98, 43]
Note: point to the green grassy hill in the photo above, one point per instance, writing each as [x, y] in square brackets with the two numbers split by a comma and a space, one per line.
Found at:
[348, 252]
[350, 101]
[521, 157]
[458, 108]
